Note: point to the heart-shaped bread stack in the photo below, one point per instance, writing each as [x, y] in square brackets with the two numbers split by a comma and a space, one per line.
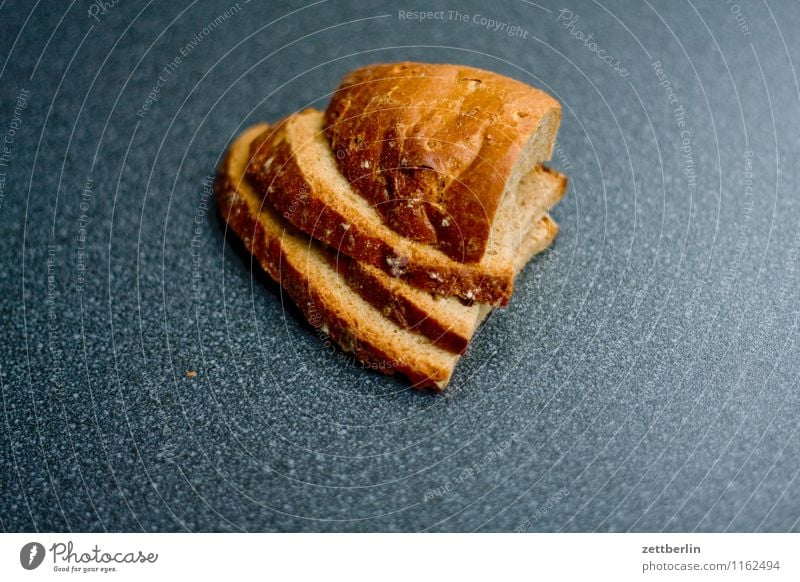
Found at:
[399, 217]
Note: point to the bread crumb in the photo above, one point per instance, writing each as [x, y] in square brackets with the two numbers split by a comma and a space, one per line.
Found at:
[345, 226]
[365, 164]
[445, 222]
[191, 374]
[397, 265]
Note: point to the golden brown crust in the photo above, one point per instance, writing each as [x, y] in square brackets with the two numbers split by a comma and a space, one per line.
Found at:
[433, 146]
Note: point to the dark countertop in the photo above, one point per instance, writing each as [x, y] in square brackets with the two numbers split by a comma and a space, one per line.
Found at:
[644, 376]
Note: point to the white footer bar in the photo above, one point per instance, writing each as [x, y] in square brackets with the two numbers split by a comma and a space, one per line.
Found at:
[354, 557]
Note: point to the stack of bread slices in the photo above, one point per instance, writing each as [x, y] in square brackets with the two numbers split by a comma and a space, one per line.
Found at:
[398, 218]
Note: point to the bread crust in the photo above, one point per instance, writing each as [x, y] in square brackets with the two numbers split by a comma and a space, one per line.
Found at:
[434, 146]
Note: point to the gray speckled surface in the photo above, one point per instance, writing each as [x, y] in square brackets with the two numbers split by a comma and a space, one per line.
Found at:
[644, 376]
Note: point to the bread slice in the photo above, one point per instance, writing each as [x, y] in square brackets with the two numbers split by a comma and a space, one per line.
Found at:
[295, 167]
[333, 303]
[435, 148]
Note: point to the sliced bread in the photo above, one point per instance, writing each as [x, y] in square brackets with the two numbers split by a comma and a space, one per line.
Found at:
[325, 299]
[445, 320]
[420, 333]
[295, 168]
